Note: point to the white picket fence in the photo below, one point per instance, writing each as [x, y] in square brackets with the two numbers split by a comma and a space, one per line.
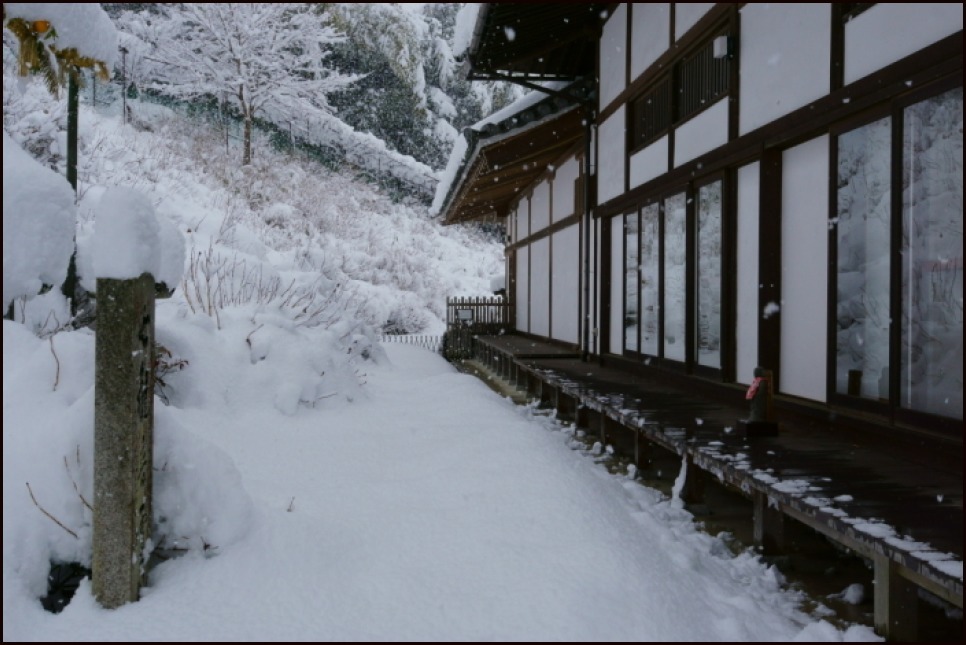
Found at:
[432, 343]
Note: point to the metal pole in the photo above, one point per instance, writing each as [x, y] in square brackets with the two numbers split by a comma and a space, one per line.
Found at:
[72, 99]
[71, 282]
[124, 85]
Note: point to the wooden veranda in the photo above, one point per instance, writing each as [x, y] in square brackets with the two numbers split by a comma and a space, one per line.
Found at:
[898, 511]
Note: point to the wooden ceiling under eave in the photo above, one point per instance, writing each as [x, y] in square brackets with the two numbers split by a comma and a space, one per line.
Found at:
[535, 41]
[507, 165]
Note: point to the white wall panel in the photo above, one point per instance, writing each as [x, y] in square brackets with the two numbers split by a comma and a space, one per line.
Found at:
[616, 286]
[804, 278]
[704, 132]
[650, 162]
[540, 287]
[610, 163]
[523, 289]
[540, 207]
[613, 56]
[523, 219]
[650, 34]
[748, 282]
[563, 189]
[565, 278]
[785, 59]
[596, 294]
[919, 25]
[686, 14]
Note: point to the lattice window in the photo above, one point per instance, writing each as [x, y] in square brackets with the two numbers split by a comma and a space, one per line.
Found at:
[651, 115]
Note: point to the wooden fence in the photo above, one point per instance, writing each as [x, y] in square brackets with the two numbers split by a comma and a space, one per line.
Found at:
[467, 318]
[478, 312]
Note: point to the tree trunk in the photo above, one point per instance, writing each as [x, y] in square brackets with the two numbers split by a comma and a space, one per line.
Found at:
[247, 155]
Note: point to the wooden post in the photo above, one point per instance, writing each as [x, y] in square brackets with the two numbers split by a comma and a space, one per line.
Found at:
[123, 438]
[769, 526]
[695, 485]
[896, 602]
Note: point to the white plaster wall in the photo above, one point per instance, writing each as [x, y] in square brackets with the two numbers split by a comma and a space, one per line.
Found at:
[597, 304]
[785, 59]
[650, 34]
[523, 219]
[686, 14]
[704, 132]
[563, 189]
[540, 287]
[610, 162]
[540, 207]
[804, 278]
[523, 289]
[871, 38]
[748, 282]
[613, 56]
[565, 278]
[650, 162]
[616, 286]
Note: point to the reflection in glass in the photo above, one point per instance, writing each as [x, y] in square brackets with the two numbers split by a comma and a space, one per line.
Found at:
[631, 280]
[931, 377]
[650, 276]
[675, 259]
[862, 279]
[708, 319]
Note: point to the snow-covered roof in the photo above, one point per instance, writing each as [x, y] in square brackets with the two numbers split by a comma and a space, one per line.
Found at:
[525, 114]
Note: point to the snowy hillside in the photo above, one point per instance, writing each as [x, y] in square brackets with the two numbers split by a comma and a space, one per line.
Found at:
[382, 264]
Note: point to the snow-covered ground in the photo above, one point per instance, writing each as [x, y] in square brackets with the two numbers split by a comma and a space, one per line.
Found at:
[429, 508]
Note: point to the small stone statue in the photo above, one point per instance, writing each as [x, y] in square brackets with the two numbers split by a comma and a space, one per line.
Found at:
[761, 420]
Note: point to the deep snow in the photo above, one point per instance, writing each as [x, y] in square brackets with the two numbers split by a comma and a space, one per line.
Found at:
[428, 509]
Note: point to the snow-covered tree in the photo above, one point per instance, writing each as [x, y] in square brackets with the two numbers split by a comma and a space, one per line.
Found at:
[266, 60]
[413, 96]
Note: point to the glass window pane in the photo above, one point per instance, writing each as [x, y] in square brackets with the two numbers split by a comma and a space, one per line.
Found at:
[708, 319]
[931, 362]
[862, 280]
[650, 279]
[631, 281]
[675, 259]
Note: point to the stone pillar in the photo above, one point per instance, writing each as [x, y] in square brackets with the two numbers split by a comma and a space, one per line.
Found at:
[123, 437]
